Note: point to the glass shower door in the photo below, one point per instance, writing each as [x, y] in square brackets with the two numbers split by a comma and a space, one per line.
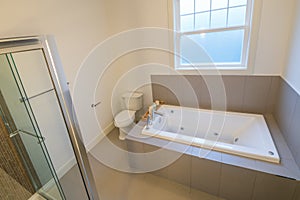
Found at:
[25, 135]
[38, 125]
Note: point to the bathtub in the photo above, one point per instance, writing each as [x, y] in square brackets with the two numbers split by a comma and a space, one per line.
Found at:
[240, 134]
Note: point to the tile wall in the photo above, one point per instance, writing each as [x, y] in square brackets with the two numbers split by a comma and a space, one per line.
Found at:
[252, 94]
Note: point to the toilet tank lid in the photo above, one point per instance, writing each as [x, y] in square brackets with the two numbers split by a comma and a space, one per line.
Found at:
[132, 95]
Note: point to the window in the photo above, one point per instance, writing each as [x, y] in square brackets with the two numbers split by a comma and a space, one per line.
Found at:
[212, 33]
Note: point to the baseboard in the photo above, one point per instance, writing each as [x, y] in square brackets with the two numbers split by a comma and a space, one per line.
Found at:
[70, 163]
[97, 139]
[66, 167]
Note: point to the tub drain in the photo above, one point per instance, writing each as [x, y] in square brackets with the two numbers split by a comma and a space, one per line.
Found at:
[271, 153]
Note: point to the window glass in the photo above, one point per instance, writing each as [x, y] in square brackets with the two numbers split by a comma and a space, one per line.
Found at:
[218, 18]
[186, 7]
[237, 2]
[202, 20]
[217, 26]
[225, 46]
[218, 4]
[202, 5]
[236, 16]
[187, 23]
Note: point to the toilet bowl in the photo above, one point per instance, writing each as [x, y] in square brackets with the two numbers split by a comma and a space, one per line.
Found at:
[124, 120]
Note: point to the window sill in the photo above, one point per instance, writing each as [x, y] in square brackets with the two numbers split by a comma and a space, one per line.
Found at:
[203, 70]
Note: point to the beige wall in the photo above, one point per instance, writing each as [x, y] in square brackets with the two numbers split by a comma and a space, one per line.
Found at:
[273, 39]
[79, 25]
[292, 72]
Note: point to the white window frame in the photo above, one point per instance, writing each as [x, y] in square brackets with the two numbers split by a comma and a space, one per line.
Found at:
[243, 65]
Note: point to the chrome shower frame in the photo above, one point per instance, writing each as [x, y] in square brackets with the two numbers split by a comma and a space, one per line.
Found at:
[55, 69]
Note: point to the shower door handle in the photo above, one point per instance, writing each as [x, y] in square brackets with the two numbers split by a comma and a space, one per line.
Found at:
[17, 132]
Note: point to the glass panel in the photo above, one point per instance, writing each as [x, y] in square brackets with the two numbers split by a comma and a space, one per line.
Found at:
[221, 47]
[31, 63]
[191, 52]
[202, 21]
[237, 2]
[217, 4]
[237, 16]
[218, 18]
[23, 128]
[186, 7]
[187, 23]
[202, 5]
[44, 108]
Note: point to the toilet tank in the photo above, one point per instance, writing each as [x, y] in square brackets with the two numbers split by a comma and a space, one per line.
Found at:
[133, 100]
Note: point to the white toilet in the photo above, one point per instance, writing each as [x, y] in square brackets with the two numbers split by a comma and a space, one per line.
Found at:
[124, 120]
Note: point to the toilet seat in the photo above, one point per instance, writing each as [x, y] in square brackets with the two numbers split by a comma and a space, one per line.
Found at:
[124, 118]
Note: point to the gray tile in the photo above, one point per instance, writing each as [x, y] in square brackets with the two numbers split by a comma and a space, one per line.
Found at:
[236, 183]
[234, 86]
[285, 106]
[200, 88]
[219, 92]
[286, 168]
[273, 94]
[180, 170]
[208, 154]
[238, 161]
[205, 175]
[175, 90]
[297, 192]
[256, 93]
[280, 143]
[196, 83]
[165, 94]
[136, 158]
[113, 138]
[135, 147]
[273, 187]
[152, 156]
[293, 134]
[73, 191]
[213, 93]
[180, 148]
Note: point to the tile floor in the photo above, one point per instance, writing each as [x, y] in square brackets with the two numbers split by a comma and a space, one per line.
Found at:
[115, 185]
[10, 189]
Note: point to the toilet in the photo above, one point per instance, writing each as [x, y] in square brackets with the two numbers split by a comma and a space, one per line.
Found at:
[124, 120]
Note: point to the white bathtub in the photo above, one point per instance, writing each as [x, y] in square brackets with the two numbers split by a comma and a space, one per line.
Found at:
[231, 132]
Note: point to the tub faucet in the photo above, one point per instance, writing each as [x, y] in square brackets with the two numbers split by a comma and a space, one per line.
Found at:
[148, 122]
[158, 113]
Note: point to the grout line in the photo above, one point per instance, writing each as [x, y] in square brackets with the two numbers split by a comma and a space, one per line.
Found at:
[254, 183]
[220, 180]
[244, 92]
[295, 191]
[268, 95]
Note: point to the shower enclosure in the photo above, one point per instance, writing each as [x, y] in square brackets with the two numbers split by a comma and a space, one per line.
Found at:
[39, 136]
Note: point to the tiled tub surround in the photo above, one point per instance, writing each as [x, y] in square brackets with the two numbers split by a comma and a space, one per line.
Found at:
[229, 176]
[221, 174]
[287, 115]
[248, 94]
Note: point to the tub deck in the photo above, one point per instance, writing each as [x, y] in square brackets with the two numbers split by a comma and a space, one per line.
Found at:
[286, 168]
